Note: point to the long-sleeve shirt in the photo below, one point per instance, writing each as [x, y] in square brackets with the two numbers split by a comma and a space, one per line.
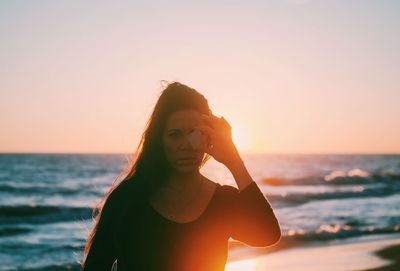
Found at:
[143, 239]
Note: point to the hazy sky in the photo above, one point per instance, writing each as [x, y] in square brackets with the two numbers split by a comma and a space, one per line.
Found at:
[292, 76]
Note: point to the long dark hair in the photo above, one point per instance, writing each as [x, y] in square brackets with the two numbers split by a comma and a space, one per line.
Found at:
[150, 167]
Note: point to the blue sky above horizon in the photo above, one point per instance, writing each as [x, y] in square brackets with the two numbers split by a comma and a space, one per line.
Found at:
[292, 76]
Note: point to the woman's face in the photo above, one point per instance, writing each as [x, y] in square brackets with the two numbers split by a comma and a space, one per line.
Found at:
[178, 150]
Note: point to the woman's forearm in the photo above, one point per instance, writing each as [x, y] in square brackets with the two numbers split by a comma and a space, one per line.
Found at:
[240, 173]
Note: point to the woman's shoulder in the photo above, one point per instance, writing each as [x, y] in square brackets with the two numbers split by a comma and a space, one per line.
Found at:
[228, 189]
[231, 192]
[121, 188]
[121, 193]
[214, 187]
[226, 192]
[221, 191]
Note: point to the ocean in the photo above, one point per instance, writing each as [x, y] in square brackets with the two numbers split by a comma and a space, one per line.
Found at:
[46, 200]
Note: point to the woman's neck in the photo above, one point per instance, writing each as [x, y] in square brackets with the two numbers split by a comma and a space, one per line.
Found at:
[184, 182]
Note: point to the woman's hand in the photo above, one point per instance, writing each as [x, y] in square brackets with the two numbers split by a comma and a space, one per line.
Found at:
[223, 150]
[220, 146]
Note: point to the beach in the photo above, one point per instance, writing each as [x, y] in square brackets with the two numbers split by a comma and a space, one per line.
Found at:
[392, 255]
[357, 254]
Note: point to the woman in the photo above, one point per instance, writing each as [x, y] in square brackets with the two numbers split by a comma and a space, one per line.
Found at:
[165, 215]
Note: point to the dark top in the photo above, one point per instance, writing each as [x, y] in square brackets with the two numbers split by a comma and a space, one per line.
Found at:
[143, 239]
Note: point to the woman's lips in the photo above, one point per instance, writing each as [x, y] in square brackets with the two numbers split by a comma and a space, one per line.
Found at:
[187, 160]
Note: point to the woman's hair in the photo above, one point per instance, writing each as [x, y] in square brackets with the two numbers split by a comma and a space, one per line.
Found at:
[150, 168]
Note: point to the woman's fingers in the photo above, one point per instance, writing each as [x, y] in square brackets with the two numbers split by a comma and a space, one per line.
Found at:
[214, 121]
[208, 120]
[207, 130]
[225, 122]
[207, 143]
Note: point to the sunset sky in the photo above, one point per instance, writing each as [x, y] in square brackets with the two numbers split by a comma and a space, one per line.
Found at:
[291, 76]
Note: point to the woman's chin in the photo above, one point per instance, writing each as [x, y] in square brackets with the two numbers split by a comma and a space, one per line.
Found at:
[187, 168]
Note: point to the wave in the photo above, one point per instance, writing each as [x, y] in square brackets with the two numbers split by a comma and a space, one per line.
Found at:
[325, 233]
[328, 232]
[334, 179]
[13, 231]
[357, 192]
[42, 214]
[62, 267]
[44, 190]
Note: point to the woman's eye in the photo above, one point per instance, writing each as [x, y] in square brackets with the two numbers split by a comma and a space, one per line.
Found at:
[174, 135]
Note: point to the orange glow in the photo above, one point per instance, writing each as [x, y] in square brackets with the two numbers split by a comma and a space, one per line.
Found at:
[285, 92]
[241, 265]
[245, 137]
[240, 139]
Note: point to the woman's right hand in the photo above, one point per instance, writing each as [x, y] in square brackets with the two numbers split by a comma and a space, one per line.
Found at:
[221, 146]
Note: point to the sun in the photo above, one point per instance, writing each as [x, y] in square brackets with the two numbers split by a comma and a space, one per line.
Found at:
[241, 138]
[245, 137]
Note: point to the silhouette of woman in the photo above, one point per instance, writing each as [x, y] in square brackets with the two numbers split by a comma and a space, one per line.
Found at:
[164, 214]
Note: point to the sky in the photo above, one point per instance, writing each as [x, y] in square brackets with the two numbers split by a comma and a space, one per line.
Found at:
[290, 76]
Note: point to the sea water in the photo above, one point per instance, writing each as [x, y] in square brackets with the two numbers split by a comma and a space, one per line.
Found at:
[46, 200]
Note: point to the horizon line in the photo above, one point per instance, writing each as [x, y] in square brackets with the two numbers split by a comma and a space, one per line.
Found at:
[243, 152]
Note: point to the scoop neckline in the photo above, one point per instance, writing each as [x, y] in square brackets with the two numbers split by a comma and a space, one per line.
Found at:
[189, 222]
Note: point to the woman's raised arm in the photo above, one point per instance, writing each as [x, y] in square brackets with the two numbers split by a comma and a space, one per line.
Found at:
[251, 218]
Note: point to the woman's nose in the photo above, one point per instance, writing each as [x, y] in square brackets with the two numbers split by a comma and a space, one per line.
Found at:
[185, 144]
